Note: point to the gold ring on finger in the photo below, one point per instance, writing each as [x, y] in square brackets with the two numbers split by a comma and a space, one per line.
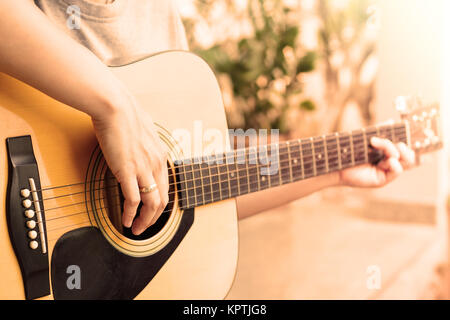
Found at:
[148, 189]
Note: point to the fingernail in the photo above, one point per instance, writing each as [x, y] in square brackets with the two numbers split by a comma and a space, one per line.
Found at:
[127, 222]
[375, 140]
[136, 231]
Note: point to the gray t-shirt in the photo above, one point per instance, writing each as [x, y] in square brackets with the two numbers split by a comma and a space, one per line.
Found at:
[121, 32]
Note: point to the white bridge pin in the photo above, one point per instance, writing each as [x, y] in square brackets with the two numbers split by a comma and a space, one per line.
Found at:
[32, 234]
[31, 224]
[29, 213]
[33, 244]
[25, 193]
[26, 203]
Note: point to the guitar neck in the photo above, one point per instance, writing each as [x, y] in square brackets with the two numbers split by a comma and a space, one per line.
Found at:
[242, 171]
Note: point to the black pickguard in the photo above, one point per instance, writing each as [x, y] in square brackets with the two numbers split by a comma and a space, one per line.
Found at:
[105, 272]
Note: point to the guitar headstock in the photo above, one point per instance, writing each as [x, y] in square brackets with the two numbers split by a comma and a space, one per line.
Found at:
[424, 124]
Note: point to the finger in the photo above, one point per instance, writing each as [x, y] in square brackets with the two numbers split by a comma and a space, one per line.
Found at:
[150, 204]
[386, 146]
[394, 170]
[130, 192]
[162, 179]
[384, 164]
[407, 155]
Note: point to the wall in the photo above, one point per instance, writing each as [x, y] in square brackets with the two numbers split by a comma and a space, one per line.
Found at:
[411, 60]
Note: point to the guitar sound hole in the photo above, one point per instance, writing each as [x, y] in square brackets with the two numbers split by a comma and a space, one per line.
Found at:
[114, 206]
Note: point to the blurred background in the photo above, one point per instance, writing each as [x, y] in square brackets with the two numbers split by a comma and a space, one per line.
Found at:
[310, 67]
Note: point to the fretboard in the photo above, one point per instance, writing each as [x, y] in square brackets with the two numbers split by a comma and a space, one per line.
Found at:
[242, 171]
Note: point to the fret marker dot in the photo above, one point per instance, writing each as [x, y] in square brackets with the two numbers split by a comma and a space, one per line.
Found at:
[319, 156]
[345, 150]
[263, 178]
[295, 161]
[232, 174]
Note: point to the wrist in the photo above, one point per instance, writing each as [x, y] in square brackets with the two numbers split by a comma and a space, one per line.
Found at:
[110, 102]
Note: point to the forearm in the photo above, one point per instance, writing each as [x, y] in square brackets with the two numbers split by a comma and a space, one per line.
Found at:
[253, 203]
[36, 52]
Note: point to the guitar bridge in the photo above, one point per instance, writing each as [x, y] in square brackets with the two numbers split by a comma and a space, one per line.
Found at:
[25, 216]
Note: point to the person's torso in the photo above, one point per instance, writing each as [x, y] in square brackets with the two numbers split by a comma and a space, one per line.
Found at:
[121, 32]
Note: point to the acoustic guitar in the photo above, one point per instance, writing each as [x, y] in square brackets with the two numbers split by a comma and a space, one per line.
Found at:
[60, 230]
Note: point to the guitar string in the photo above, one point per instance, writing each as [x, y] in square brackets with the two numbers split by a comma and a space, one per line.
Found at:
[284, 177]
[299, 142]
[196, 203]
[165, 211]
[105, 207]
[324, 146]
[248, 185]
[243, 184]
[236, 171]
[332, 154]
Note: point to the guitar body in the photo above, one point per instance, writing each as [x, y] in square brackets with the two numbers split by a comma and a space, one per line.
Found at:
[178, 89]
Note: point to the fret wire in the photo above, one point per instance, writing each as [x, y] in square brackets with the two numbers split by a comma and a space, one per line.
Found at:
[215, 168]
[196, 183]
[255, 155]
[313, 156]
[290, 161]
[210, 179]
[246, 166]
[352, 150]
[366, 154]
[221, 191]
[258, 169]
[407, 133]
[327, 165]
[339, 150]
[220, 184]
[274, 176]
[185, 183]
[284, 171]
[237, 175]
[307, 144]
[228, 175]
[201, 182]
[300, 148]
[267, 176]
[294, 158]
[205, 177]
[215, 175]
[378, 130]
[300, 159]
[252, 169]
[279, 168]
[193, 182]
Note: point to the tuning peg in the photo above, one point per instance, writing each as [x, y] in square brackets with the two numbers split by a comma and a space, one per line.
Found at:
[401, 105]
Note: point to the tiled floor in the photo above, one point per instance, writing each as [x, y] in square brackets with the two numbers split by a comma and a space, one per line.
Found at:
[320, 249]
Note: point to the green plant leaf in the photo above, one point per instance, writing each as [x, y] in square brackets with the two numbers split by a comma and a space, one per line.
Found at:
[288, 37]
[308, 105]
[307, 62]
